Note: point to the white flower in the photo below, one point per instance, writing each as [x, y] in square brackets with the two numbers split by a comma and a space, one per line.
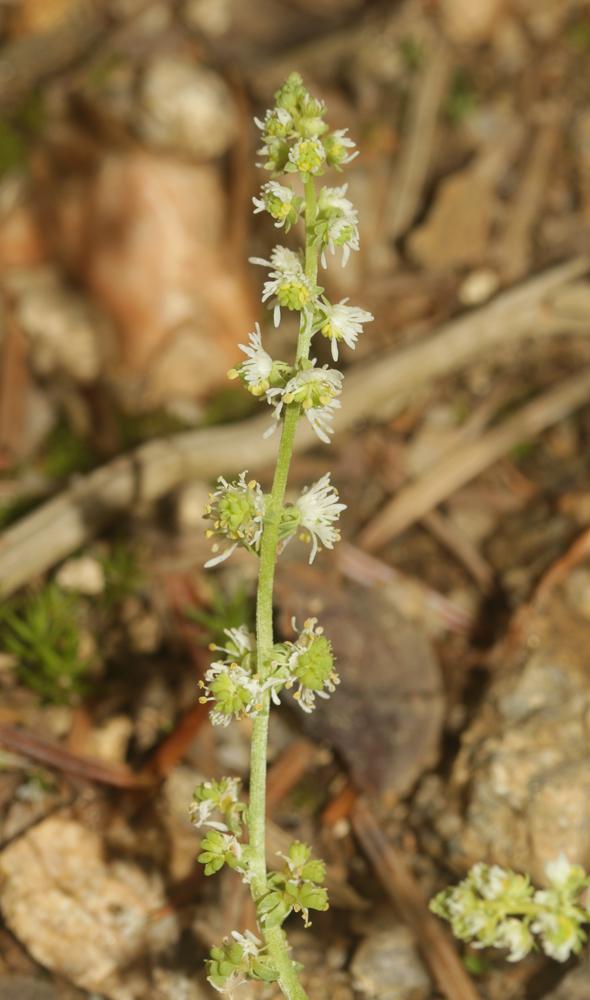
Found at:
[560, 871]
[307, 156]
[341, 322]
[201, 809]
[336, 144]
[276, 120]
[490, 880]
[287, 281]
[199, 813]
[319, 509]
[339, 226]
[240, 642]
[249, 942]
[514, 935]
[280, 202]
[560, 936]
[316, 390]
[258, 366]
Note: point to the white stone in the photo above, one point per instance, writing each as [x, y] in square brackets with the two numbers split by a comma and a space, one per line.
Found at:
[186, 107]
[84, 575]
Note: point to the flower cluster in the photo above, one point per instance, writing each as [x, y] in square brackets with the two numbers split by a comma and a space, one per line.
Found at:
[295, 137]
[237, 512]
[497, 908]
[233, 686]
[297, 888]
[218, 797]
[241, 957]
[232, 683]
[259, 374]
[309, 663]
[297, 140]
[287, 284]
[318, 508]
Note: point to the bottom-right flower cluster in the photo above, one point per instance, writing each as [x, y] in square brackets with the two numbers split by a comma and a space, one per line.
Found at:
[496, 908]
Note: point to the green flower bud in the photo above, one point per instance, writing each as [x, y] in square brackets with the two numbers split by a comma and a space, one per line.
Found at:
[293, 293]
[313, 897]
[273, 909]
[307, 156]
[216, 848]
[315, 665]
[231, 698]
[239, 958]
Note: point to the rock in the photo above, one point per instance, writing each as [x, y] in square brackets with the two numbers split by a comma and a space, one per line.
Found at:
[83, 575]
[523, 772]
[212, 17]
[171, 985]
[186, 107]
[67, 334]
[478, 286]
[158, 265]
[574, 986]
[78, 915]
[387, 716]
[26, 988]
[323, 977]
[183, 837]
[111, 740]
[387, 966]
[190, 502]
[468, 22]
[457, 230]
[32, 17]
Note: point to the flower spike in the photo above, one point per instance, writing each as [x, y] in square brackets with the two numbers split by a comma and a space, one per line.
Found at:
[250, 673]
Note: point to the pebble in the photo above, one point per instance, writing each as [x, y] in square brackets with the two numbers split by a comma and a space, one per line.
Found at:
[186, 108]
[83, 575]
[387, 966]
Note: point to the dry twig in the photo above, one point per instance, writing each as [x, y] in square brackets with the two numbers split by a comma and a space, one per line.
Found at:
[436, 945]
[419, 142]
[51, 753]
[515, 246]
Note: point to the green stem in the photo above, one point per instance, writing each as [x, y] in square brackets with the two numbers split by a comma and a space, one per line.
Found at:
[275, 939]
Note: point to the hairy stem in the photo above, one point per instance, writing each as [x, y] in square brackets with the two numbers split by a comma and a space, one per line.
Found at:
[274, 937]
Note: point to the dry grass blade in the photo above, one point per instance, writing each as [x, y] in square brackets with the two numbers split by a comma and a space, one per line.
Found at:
[466, 462]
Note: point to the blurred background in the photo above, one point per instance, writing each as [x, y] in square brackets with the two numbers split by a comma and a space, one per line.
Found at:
[459, 601]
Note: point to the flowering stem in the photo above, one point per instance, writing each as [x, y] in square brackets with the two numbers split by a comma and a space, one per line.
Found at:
[275, 937]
